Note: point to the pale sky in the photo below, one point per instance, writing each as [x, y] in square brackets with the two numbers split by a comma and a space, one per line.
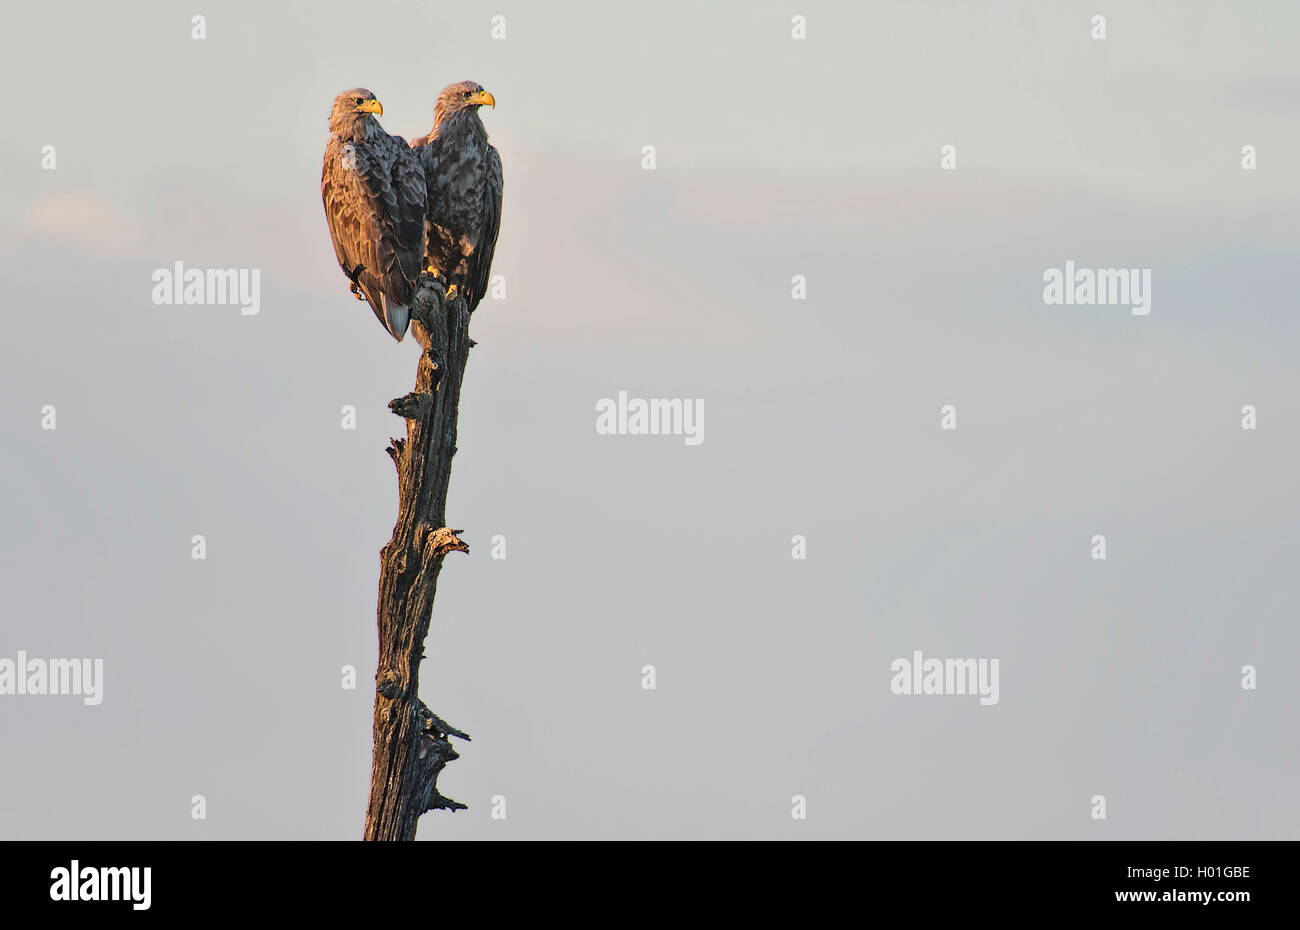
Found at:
[775, 157]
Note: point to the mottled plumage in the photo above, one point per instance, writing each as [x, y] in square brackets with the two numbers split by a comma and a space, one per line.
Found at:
[374, 193]
[463, 177]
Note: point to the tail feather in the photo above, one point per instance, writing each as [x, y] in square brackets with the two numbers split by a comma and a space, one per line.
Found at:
[396, 318]
[393, 316]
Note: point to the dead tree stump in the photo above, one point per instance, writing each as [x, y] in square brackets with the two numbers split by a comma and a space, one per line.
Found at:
[412, 744]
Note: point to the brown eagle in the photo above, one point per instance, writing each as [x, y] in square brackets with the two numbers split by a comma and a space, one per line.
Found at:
[374, 194]
[462, 174]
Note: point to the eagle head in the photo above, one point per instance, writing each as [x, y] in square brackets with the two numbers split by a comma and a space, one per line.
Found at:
[352, 108]
[462, 96]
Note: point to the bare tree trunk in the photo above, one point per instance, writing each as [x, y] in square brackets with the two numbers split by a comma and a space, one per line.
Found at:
[412, 744]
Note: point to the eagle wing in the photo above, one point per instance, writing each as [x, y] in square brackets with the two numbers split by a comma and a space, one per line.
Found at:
[374, 195]
[480, 262]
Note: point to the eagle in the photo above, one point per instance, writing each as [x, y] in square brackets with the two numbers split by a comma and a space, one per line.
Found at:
[462, 174]
[374, 193]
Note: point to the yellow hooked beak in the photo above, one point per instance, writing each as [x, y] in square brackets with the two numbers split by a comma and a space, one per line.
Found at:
[483, 98]
[371, 106]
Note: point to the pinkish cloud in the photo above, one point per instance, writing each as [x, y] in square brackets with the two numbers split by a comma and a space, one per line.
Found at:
[84, 218]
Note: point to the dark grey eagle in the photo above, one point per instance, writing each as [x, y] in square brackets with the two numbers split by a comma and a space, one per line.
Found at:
[462, 173]
[374, 194]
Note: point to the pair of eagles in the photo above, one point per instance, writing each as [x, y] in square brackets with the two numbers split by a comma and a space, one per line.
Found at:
[395, 210]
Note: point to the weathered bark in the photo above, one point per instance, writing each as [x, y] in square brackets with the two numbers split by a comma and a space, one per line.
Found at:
[412, 744]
